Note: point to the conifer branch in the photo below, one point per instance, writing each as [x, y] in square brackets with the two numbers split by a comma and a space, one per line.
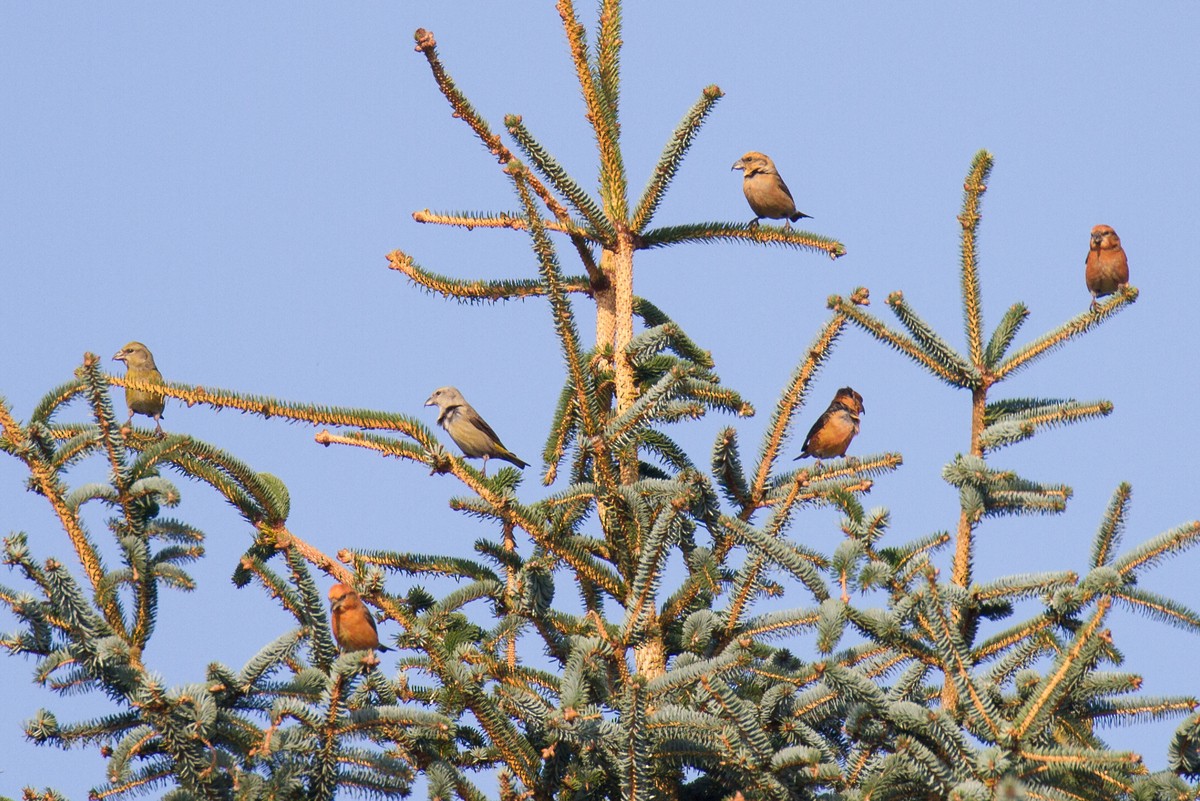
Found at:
[608, 53]
[672, 156]
[54, 400]
[1072, 329]
[880, 330]
[51, 487]
[790, 400]
[1004, 334]
[933, 345]
[601, 113]
[268, 407]
[1085, 646]
[470, 220]
[1148, 553]
[1112, 526]
[1007, 429]
[739, 232]
[463, 110]
[973, 189]
[601, 229]
[564, 325]
[956, 663]
[478, 290]
[1159, 608]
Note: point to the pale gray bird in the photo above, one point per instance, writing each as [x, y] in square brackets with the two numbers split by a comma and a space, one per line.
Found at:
[468, 430]
[765, 191]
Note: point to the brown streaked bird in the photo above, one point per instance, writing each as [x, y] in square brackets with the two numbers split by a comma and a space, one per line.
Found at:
[139, 365]
[353, 626]
[468, 430]
[831, 434]
[1107, 268]
[765, 191]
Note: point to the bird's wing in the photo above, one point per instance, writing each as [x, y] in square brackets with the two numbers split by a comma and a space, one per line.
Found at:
[786, 191]
[817, 426]
[474, 419]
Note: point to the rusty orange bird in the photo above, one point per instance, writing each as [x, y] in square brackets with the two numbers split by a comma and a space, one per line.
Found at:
[831, 435]
[1107, 269]
[765, 191]
[353, 626]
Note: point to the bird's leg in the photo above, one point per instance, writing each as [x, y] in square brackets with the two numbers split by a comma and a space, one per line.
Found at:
[787, 225]
[753, 223]
[485, 466]
[158, 432]
[1094, 304]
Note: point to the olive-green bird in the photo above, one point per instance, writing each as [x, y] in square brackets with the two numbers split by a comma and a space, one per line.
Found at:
[468, 430]
[139, 365]
[765, 191]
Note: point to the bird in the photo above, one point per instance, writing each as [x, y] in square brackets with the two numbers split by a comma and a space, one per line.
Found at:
[831, 434]
[1107, 268]
[766, 192]
[468, 430]
[352, 624]
[139, 366]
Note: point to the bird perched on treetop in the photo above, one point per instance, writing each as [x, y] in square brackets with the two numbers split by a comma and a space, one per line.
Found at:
[353, 626]
[1107, 267]
[139, 366]
[831, 434]
[766, 192]
[468, 430]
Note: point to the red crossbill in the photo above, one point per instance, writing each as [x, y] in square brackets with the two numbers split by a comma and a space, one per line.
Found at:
[835, 428]
[468, 430]
[139, 365]
[1107, 268]
[353, 626]
[766, 192]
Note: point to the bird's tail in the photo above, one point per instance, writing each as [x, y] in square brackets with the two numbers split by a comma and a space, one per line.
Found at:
[509, 456]
[798, 215]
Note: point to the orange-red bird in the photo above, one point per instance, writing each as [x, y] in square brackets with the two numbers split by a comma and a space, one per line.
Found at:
[1107, 268]
[353, 626]
[831, 434]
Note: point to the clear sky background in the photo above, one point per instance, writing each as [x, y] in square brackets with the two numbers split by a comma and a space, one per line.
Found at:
[223, 181]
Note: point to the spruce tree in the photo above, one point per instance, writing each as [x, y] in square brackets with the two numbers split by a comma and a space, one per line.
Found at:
[655, 683]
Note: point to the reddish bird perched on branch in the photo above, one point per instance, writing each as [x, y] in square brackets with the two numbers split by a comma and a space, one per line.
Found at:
[353, 626]
[831, 434]
[1107, 268]
[765, 191]
[139, 366]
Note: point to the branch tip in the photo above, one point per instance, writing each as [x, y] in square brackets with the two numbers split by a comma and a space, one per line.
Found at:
[424, 40]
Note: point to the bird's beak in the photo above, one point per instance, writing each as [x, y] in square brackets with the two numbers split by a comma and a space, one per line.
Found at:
[1096, 239]
[119, 356]
[430, 402]
[738, 165]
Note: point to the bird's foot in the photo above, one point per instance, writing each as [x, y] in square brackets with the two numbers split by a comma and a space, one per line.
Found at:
[753, 224]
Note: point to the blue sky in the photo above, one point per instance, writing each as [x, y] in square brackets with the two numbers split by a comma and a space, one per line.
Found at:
[223, 182]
